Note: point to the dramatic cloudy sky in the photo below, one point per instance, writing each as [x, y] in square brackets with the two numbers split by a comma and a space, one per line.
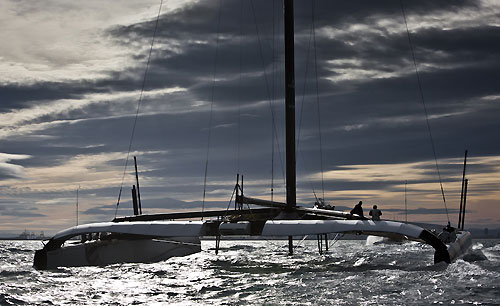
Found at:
[71, 77]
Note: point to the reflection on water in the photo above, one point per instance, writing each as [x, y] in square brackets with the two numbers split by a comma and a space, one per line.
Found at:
[260, 272]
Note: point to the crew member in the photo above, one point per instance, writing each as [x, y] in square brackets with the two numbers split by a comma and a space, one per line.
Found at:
[358, 210]
[375, 213]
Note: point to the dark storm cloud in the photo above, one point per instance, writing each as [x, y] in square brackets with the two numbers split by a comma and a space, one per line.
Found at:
[380, 52]
[7, 173]
[18, 96]
[472, 44]
[197, 20]
[348, 12]
[196, 61]
[13, 210]
[424, 211]
[125, 207]
[391, 92]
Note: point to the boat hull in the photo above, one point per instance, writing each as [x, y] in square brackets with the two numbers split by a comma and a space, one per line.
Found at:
[106, 252]
[461, 246]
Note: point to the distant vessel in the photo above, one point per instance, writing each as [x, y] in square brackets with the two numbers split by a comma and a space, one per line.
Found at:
[31, 236]
[151, 238]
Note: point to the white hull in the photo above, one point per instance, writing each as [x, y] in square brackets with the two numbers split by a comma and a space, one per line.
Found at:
[461, 246]
[375, 240]
[146, 242]
[100, 253]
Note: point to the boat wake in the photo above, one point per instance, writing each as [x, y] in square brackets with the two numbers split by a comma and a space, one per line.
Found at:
[474, 255]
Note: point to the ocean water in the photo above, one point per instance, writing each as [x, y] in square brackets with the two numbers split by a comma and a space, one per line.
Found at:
[261, 273]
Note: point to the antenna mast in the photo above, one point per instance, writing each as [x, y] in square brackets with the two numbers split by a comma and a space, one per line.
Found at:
[406, 205]
[77, 205]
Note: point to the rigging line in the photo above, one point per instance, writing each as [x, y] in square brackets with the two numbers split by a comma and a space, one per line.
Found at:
[317, 100]
[240, 65]
[268, 90]
[301, 241]
[302, 110]
[336, 239]
[272, 164]
[425, 109]
[308, 180]
[302, 102]
[138, 107]
[273, 89]
[279, 76]
[230, 200]
[274, 78]
[211, 108]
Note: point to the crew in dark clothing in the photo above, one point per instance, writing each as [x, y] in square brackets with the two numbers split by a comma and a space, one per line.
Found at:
[375, 213]
[448, 234]
[358, 210]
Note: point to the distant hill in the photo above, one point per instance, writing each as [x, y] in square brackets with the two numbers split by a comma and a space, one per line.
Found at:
[481, 233]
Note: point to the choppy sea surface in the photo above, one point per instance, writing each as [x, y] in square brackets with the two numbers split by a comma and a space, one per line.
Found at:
[261, 273]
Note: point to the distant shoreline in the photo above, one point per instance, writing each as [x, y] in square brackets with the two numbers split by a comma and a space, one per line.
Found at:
[21, 239]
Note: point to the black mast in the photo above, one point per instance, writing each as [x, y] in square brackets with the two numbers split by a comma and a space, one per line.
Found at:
[290, 106]
[461, 212]
[138, 190]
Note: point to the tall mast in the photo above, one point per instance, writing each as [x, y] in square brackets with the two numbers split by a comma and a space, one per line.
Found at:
[461, 212]
[290, 106]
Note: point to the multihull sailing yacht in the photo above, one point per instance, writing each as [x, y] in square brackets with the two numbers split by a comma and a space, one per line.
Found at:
[153, 238]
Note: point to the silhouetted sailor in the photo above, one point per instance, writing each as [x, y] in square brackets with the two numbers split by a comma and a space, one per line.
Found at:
[448, 234]
[375, 213]
[358, 210]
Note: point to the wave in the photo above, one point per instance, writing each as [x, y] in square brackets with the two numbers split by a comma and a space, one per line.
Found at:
[18, 250]
[475, 255]
[8, 273]
[6, 299]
